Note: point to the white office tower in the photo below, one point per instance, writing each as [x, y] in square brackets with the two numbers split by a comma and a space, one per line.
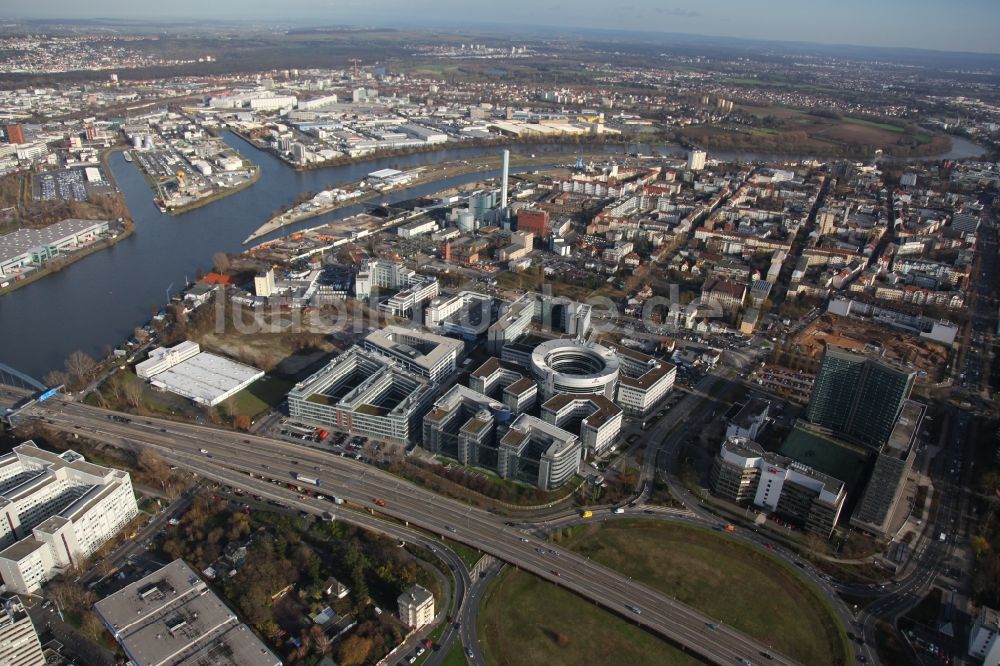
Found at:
[503, 185]
[18, 640]
[696, 160]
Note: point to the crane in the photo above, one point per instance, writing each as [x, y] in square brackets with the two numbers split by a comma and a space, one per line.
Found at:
[356, 63]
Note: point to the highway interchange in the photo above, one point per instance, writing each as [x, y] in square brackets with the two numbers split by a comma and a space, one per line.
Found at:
[233, 456]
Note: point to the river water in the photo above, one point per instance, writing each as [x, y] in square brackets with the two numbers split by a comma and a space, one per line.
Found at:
[99, 300]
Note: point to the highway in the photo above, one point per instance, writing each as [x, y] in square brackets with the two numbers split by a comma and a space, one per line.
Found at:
[366, 487]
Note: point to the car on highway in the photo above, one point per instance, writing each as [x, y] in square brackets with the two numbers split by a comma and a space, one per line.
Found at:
[555, 573]
[204, 450]
[468, 652]
[452, 529]
[635, 609]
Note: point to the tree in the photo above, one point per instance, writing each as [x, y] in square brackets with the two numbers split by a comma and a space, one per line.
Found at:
[80, 368]
[133, 393]
[56, 378]
[221, 262]
[354, 650]
[320, 641]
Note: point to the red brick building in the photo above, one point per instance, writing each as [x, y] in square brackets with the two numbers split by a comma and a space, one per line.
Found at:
[535, 221]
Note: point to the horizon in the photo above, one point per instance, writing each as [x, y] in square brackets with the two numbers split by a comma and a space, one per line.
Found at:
[964, 26]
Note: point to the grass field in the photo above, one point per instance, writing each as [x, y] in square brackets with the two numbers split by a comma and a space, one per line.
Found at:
[724, 579]
[455, 656]
[883, 126]
[526, 621]
[258, 397]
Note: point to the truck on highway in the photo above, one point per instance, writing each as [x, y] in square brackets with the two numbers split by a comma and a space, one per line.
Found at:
[306, 479]
[586, 514]
[337, 500]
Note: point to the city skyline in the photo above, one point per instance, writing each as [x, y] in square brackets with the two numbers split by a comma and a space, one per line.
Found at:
[961, 26]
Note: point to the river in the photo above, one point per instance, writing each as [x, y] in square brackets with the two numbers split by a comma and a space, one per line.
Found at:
[97, 302]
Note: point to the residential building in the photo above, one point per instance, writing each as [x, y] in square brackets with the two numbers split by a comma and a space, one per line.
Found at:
[58, 510]
[983, 639]
[746, 474]
[416, 607]
[696, 160]
[171, 617]
[364, 394]
[858, 395]
[426, 354]
[19, 645]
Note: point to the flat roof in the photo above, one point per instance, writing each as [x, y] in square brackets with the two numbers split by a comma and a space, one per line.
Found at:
[172, 617]
[206, 377]
[904, 432]
[604, 409]
[18, 242]
[388, 340]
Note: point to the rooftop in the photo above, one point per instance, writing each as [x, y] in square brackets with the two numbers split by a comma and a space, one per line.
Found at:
[172, 617]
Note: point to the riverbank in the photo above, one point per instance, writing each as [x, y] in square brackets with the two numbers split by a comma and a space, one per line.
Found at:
[499, 142]
[428, 174]
[216, 195]
[68, 260]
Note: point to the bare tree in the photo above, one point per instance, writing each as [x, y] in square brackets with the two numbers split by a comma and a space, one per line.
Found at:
[221, 262]
[55, 378]
[80, 367]
[133, 393]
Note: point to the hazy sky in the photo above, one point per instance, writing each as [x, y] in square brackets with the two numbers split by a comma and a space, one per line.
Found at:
[951, 25]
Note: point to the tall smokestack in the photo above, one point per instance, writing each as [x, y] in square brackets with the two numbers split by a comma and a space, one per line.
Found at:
[503, 185]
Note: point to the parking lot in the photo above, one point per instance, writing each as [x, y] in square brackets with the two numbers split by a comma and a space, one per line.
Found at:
[65, 185]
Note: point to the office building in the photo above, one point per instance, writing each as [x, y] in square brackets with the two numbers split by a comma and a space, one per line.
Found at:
[58, 510]
[538, 453]
[696, 160]
[520, 396]
[19, 645]
[378, 275]
[505, 175]
[416, 607]
[746, 474]
[643, 381]
[512, 323]
[171, 617]
[467, 313]
[463, 424]
[164, 358]
[598, 419]
[28, 249]
[893, 463]
[263, 283]
[858, 396]
[366, 394]
[426, 354]
[567, 366]
[750, 420]
[983, 639]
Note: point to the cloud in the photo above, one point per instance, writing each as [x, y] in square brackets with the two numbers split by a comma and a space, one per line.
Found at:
[679, 12]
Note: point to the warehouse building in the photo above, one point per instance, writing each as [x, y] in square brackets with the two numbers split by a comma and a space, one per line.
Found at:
[205, 378]
[29, 249]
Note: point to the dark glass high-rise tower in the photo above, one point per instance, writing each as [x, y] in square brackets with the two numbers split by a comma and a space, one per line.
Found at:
[858, 395]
